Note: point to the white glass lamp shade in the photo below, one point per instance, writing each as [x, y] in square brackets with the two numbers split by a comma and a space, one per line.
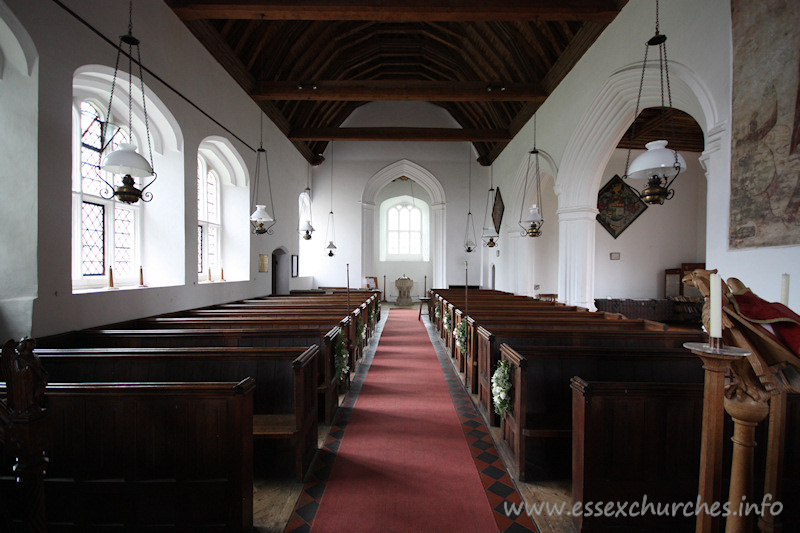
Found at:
[306, 226]
[260, 215]
[657, 160]
[533, 216]
[469, 244]
[330, 246]
[127, 161]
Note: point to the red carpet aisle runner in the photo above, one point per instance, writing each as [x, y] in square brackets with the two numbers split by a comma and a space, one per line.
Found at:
[406, 464]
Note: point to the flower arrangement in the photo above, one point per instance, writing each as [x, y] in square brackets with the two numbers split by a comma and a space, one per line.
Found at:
[437, 310]
[501, 388]
[446, 324]
[461, 337]
[342, 357]
[361, 328]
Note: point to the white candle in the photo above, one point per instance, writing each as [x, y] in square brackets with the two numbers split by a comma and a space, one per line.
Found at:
[715, 304]
[785, 290]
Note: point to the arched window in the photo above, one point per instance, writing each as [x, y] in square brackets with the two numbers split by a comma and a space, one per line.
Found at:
[106, 231]
[404, 230]
[208, 218]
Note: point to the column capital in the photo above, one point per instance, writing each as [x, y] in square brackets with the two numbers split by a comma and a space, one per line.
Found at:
[578, 212]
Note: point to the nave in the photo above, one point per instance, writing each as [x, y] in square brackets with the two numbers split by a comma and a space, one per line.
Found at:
[408, 450]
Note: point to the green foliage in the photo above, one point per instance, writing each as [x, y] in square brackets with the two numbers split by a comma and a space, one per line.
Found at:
[361, 328]
[446, 323]
[501, 388]
[461, 337]
[342, 357]
[437, 310]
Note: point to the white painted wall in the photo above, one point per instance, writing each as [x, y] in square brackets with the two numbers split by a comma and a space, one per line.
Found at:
[353, 165]
[172, 52]
[664, 236]
[18, 171]
[699, 48]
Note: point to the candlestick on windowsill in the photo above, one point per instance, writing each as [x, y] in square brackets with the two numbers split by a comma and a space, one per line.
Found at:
[209, 273]
[141, 277]
[221, 274]
[111, 278]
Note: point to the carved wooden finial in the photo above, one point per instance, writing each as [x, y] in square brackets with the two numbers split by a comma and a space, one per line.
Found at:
[25, 377]
[701, 279]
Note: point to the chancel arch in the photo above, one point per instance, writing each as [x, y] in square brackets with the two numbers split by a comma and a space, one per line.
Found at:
[428, 188]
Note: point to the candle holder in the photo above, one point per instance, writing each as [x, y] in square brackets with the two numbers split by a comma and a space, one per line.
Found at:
[717, 361]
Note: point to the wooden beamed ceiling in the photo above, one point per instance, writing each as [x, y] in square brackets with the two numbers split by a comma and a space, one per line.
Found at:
[310, 63]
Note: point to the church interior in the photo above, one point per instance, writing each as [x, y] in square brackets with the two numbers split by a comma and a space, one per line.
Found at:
[317, 265]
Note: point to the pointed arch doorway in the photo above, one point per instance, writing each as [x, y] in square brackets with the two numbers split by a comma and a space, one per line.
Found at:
[435, 192]
[281, 271]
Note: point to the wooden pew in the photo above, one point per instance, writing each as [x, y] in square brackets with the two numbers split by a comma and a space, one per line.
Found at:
[525, 319]
[284, 402]
[632, 440]
[147, 456]
[537, 432]
[613, 334]
[327, 380]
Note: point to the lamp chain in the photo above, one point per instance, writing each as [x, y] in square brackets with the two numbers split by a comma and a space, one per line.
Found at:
[130, 17]
[636, 111]
[670, 109]
[111, 96]
[144, 108]
[469, 182]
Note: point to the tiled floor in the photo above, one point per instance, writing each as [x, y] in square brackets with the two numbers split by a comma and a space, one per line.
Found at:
[500, 489]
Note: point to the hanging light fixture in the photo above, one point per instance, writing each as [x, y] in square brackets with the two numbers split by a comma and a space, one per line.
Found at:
[469, 231]
[305, 226]
[489, 235]
[260, 216]
[125, 161]
[659, 165]
[330, 235]
[531, 223]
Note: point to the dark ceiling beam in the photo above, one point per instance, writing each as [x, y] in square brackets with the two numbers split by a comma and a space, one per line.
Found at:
[375, 90]
[393, 11]
[399, 134]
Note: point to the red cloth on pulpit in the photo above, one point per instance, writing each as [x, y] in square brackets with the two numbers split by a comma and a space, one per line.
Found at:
[784, 322]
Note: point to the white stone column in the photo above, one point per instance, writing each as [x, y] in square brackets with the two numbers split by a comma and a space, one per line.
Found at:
[367, 239]
[438, 248]
[576, 237]
[716, 161]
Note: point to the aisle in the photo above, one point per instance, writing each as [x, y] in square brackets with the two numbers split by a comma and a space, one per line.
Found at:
[405, 463]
